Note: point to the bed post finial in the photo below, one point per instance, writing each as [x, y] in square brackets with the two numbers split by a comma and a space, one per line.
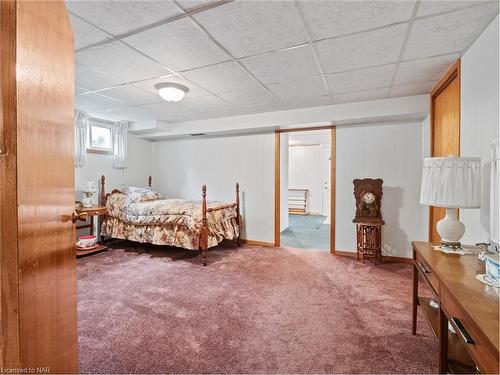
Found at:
[204, 228]
[238, 219]
[102, 193]
[150, 180]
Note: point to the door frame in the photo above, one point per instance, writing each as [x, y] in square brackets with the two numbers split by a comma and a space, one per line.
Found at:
[452, 74]
[277, 182]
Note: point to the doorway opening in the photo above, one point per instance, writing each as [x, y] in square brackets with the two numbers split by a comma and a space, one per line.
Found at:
[305, 189]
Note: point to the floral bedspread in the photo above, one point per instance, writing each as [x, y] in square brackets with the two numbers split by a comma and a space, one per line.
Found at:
[172, 222]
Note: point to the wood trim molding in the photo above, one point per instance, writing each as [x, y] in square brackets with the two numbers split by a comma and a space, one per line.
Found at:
[333, 183]
[277, 187]
[385, 258]
[257, 243]
[312, 128]
[277, 182]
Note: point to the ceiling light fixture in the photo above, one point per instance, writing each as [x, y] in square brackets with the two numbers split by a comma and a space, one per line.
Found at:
[171, 92]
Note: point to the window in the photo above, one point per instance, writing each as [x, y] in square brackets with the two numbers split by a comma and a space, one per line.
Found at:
[99, 138]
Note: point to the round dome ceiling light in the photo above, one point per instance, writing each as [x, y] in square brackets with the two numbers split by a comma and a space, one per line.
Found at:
[171, 92]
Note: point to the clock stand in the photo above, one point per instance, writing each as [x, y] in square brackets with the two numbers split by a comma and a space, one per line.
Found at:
[368, 219]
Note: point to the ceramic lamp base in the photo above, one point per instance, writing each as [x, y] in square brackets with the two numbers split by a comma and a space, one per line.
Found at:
[450, 229]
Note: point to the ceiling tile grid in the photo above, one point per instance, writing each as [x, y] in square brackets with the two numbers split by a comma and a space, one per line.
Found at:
[328, 18]
[247, 28]
[120, 61]
[119, 17]
[355, 80]
[181, 45]
[239, 57]
[357, 51]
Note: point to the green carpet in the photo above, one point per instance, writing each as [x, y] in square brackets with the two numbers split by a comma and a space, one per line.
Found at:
[307, 232]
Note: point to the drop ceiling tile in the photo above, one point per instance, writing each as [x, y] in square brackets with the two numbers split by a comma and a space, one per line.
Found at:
[79, 90]
[130, 95]
[91, 79]
[249, 97]
[118, 17]
[192, 4]
[283, 66]
[246, 28]
[149, 85]
[95, 102]
[126, 114]
[428, 69]
[207, 103]
[376, 47]
[428, 7]
[360, 96]
[448, 33]
[223, 77]
[86, 34]
[181, 45]
[167, 111]
[411, 89]
[120, 61]
[362, 79]
[299, 90]
[328, 18]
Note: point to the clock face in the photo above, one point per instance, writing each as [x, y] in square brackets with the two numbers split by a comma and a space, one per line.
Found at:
[368, 198]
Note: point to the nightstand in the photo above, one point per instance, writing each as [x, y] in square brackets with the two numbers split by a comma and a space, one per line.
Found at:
[93, 213]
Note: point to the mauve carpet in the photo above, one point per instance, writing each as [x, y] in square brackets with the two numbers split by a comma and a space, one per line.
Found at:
[146, 309]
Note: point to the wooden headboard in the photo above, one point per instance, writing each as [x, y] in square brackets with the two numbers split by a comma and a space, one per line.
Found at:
[103, 196]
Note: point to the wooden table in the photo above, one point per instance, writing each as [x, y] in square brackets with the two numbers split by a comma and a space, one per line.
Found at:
[93, 213]
[471, 307]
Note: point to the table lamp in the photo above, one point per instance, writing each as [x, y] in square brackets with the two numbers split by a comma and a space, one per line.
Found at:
[89, 188]
[452, 183]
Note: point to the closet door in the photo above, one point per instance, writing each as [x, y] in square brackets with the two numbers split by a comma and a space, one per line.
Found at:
[445, 129]
[41, 261]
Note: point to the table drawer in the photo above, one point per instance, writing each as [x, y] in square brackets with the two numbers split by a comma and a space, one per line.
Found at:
[427, 273]
[480, 349]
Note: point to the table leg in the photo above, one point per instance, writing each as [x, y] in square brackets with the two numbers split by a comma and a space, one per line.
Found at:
[95, 226]
[443, 341]
[415, 300]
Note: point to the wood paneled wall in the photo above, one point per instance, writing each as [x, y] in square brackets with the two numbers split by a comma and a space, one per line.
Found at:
[445, 128]
[38, 253]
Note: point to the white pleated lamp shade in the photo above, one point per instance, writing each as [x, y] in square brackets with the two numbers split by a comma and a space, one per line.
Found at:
[451, 182]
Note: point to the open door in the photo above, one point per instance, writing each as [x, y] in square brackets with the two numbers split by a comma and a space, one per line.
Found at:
[37, 235]
[445, 129]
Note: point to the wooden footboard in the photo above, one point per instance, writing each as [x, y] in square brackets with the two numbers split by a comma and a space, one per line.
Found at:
[205, 210]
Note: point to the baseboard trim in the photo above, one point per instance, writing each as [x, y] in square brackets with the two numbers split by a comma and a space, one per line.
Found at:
[342, 253]
[257, 243]
[391, 259]
[385, 258]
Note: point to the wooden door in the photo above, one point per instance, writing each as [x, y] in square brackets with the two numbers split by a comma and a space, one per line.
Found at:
[42, 151]
[445, 129]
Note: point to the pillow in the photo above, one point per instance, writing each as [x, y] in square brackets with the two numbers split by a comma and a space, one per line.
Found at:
[144, 194]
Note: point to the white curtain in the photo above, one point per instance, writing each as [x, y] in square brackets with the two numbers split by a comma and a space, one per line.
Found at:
[81, 124]
[119, 132]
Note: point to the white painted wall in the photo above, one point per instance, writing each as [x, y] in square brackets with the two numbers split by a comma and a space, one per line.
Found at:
[181, 167]
[139, 167]
[393, 152]
[480, 120]
[284, 178]
[308, 169]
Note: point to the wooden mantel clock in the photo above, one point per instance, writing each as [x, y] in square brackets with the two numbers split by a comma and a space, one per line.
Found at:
[368, 219]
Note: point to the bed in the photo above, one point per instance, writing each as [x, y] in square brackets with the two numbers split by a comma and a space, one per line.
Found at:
[142, 215]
